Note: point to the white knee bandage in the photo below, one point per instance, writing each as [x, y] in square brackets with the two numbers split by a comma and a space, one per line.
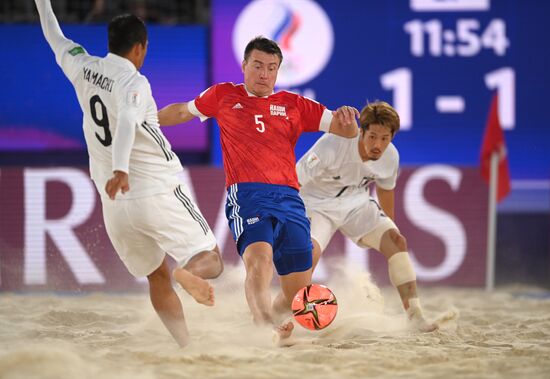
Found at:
[400, 269]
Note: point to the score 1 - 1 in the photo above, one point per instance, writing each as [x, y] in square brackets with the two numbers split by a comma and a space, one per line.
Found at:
[503, 80]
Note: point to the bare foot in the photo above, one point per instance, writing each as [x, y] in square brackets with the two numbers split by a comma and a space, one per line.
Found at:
[424, 326]
[282, 334]
[285, 330]
[418, 322]
[197, 287]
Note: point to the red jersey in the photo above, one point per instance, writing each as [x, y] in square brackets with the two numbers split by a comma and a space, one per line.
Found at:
[258, 134]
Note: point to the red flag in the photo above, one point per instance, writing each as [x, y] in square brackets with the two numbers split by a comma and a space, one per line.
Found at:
[493, 141]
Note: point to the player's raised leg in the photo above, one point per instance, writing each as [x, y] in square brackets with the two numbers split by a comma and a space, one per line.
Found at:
[191, 277]
[191, 243]
[207, 264]
[167, 303]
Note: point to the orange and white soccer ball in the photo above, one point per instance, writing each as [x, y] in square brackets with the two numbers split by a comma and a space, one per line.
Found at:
[314, 307]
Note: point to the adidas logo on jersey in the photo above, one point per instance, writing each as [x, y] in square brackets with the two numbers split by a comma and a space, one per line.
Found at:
[237, 106]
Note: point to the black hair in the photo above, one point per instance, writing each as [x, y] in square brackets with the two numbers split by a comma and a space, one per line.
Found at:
[263, 44]
[124, 32]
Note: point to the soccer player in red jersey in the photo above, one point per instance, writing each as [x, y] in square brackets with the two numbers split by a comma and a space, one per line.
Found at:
[258, 130]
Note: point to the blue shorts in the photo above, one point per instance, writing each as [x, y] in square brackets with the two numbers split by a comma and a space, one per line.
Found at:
[259, 212]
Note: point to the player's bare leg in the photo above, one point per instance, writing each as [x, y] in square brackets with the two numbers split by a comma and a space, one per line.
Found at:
[394, 247]
[411, 303]
[258, 262]
[290, 285]
[191, 277]
[316, 253]
[207, 264]
[167, 303]
[281, 306]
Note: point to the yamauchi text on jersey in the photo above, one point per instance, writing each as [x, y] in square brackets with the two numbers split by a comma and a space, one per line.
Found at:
[98, 80]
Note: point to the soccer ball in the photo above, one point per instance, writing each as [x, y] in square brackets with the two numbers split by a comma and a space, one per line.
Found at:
[314, 307]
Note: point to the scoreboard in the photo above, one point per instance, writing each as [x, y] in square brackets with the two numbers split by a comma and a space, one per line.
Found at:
[438, 62]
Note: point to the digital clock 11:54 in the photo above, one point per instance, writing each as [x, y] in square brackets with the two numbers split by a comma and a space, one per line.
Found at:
[467, 39]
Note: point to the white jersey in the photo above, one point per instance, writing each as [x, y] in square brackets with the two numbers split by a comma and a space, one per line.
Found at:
[333, 168]
[120, 116]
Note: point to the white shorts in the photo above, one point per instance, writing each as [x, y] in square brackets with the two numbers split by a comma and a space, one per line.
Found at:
[143, 230]
[355, 217]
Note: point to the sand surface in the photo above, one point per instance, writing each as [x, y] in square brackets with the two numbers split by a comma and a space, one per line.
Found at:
[503, 334]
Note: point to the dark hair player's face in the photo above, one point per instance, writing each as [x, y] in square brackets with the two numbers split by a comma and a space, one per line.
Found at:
[260, 72]
[374, 141]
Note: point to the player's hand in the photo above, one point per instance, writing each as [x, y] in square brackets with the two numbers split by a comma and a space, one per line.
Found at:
[346, 115]
[119, 182]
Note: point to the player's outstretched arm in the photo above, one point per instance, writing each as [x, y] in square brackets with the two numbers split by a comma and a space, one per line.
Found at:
[50, 26]
[68, 55]
[174, 114]
[344, 122]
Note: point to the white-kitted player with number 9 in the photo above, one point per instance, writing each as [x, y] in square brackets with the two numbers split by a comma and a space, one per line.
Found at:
[147, 210]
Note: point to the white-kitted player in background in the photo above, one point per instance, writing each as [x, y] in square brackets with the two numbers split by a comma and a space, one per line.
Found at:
[335, 175]
[147, 210]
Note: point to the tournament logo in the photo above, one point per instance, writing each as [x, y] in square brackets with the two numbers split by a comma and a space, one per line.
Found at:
[300, 27]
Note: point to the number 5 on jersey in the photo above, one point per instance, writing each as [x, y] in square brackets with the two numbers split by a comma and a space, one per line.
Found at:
[257, 120]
